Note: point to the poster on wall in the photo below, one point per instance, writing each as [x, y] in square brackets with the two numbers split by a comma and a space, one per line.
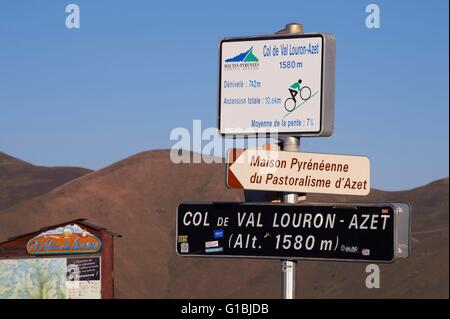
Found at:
[50, 278]
[83, 278]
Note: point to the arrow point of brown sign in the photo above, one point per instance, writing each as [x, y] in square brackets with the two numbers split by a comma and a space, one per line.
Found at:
[232, 181]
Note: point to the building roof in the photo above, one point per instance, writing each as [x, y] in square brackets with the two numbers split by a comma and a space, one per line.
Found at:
[81, 221]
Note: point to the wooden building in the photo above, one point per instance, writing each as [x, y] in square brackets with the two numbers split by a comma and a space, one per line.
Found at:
[72, 260]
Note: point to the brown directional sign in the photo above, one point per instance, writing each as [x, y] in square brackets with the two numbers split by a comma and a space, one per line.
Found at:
[299, 172]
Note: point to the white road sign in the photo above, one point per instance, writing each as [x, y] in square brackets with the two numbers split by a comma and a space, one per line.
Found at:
[277, 83]
[298, 172]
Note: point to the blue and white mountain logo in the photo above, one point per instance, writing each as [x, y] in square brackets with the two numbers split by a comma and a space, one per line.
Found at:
[245, 60]
[246, 56]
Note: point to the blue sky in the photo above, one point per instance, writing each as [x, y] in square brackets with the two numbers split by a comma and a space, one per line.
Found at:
[137, 69]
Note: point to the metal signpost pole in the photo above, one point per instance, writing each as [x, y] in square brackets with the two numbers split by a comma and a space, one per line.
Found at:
[290, 144]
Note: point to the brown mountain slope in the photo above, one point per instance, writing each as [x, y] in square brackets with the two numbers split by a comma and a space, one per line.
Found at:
[20, 180]
[137, 198]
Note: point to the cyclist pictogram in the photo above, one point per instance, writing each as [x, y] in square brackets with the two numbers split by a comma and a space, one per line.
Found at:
[296, 89]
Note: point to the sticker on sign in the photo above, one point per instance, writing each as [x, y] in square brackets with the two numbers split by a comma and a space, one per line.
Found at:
[282, 84]
[211, 244]
[281, 171]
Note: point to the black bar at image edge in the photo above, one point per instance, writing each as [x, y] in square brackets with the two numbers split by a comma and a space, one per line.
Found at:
[238, 308]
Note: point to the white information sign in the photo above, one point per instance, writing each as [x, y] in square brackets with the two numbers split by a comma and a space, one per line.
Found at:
[277, 83]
